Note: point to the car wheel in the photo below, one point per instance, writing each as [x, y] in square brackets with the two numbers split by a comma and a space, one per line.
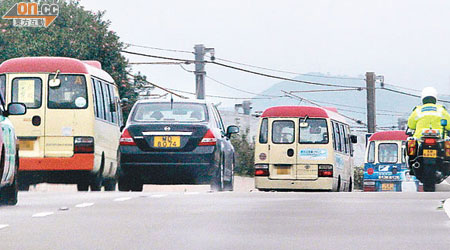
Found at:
[110, 184]
[229, 186]
[217, 183]
[9, 193]
[83, 187]
[124, 184]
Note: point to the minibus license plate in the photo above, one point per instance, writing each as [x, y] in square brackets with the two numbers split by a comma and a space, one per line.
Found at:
[429, 153]
[166, 141]
[387, 187]
[26, 145]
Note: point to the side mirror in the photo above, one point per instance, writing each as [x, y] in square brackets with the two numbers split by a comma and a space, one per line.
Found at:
[409, 132]
[124, 101]
[232, 130]
[53, 83]
[112, 107]
[444, 123]
[122, 128]
[16, 108]
[354, 138]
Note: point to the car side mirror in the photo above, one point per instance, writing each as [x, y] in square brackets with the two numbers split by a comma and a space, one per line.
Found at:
[232, 130]
[409, 132]
[16, 108]
[354, 138]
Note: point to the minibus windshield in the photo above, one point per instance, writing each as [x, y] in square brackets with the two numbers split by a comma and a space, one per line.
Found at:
[313, 131]
[70, 94]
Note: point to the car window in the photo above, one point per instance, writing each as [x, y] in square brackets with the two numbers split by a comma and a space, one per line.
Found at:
[264, 131]
[283, 132]
[371, 153]
[2, 85]
[314, 131]
[219, 119]
[70, 94]
[388, 153]
[27, 90]
[164, 112]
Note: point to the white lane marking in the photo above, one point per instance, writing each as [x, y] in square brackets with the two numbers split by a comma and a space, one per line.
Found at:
[3, 226]
[86, 204]
[43, 214]
[447, 207]
[123, 199]
[158, 195]
[191, 193]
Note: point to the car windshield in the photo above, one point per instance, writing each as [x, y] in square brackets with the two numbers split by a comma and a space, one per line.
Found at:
[177, 112]
[313, 131]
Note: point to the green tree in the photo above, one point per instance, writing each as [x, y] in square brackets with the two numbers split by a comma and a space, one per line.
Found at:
[245, 154]
[359, 177]
[76, 33]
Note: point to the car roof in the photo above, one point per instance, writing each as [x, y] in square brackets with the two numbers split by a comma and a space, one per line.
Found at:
[174, 101]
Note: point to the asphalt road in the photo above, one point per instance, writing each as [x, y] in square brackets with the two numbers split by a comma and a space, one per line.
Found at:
[229, 220]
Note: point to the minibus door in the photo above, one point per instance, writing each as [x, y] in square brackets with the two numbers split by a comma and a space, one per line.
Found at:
[283, 148]
[29, 128]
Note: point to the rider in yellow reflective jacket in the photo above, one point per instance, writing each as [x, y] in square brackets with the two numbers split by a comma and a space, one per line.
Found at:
[429, 114]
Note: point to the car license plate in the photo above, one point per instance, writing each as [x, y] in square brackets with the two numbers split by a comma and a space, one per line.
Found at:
[283, 170]
[26, 145]
[429, 153]
[166, 141]
[387, 187]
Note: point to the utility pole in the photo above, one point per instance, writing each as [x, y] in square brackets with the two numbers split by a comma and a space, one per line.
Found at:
[371, 109]
[199, 72]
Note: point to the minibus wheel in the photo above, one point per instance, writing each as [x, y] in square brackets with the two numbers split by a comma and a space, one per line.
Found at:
[97, 178]
[339, 184]
[350, 185]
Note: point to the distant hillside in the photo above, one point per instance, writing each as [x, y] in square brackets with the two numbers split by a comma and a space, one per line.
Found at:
[390, 106]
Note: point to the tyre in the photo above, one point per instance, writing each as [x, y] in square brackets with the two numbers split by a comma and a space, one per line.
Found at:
[23, 186]
[350, 185]
[9, 193]
[96, 181]
[229, 185]
[83, 187]
[217, 182]
[124, 184]
[109, 184]
[339, 185]
[429, 178]
[137, 186]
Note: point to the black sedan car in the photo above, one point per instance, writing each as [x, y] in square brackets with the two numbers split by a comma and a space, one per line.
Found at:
[176, 142]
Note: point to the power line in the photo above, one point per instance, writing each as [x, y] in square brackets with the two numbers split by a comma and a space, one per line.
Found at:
[156, 63]
[284, 78]
[323, 90]
[408, 94]
[159, 57]
[224, 97]
[288, 72]
[241, 90]
[159, 87]
[243, 70]
[316, 104]
[156, 48]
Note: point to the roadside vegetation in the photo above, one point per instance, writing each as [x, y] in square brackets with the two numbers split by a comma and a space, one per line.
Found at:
[359, 177]
[245, 153]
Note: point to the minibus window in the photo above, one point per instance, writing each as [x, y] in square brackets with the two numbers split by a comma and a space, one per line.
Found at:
[314, 131]
[70, 94]
[283, 132]
[264, 131]
[337, 137]
[94, 95]
[343, 139]
[2, 85]
[388, 153]
[371, 154]
[27, 90]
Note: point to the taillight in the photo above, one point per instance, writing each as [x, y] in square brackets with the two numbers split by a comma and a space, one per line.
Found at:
[369, 186]
[447, 148]
[83, 145]
[325, 170]
[262, 170]
[208, 139]
[430, 141]
[126, 139]
[412, 147]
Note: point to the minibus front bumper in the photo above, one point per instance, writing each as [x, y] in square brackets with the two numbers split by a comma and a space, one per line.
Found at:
[265, 183]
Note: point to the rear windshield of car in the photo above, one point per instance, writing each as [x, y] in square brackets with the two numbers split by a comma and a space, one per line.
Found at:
[313, 131]
[167, 112]
[70, 94]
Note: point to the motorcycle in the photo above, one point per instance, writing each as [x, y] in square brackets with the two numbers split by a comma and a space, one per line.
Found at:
[428, 158]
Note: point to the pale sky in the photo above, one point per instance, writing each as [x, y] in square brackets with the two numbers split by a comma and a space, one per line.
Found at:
[407, 41]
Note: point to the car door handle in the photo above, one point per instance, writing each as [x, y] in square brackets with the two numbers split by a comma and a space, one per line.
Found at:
[290, 152]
